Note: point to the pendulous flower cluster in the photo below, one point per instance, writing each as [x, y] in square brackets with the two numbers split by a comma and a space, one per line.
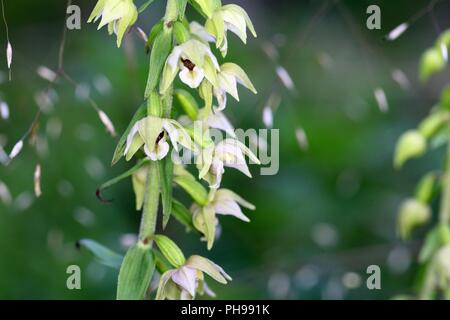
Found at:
[172, 122]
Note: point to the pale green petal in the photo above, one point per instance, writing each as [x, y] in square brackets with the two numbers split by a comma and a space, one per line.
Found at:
[240, 74]
[210, 72]
[134, 143]
[228, 83]
[412, 144]
[170, 70]
[244, 14]
[207, 6]
[219, 26]
[125, 22]
[165, 278]
[235, 23]
[97, 10]
[205, 161]
[113, 10]
[208, 267]
[225, 193]
[149, 129]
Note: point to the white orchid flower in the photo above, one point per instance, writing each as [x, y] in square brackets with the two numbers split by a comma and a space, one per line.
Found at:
[188, 280]
[229, 18]
[119, 15]
[229, 76]
[228, 153]
[226, 202]
[221, 202]
[194, 61]
[151, 132]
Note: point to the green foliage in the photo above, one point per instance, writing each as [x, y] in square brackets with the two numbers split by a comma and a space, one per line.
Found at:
[135, 273]
[102, 254]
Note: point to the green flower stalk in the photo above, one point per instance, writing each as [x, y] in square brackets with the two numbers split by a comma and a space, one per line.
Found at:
[154, 138]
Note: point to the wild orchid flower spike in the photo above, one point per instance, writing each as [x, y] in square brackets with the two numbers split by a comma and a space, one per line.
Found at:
[228, 153]
[179, 49]
[222, 202]
[194, 61]
[229, 76]
[151, 132]
[188, 280]
[119, 15]
[229, 18]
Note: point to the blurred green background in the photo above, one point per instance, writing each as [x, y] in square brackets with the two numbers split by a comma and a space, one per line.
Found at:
[326, 216]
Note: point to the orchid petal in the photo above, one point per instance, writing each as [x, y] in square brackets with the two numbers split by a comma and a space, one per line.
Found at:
[186, 278]
[163, 281]
[193, 77]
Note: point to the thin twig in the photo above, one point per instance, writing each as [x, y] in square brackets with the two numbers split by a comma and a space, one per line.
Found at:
[7, 30]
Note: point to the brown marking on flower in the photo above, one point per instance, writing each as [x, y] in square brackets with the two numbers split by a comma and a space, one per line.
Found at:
[188, 64]
[161, 135]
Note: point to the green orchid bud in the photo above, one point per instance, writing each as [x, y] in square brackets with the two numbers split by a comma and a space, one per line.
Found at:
[411, 144]
[432, 62]
[431, 125]
[425, 188]
[119, 15]
[412, 214]
[180, 32]
[187, 103]
[170, 250]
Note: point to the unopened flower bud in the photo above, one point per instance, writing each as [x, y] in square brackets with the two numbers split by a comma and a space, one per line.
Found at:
[170, 250]
[411, 144]
[412, 214]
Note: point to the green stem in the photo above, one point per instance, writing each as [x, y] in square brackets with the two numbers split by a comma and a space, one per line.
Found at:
[167, 103]
[171, 11]
[151, 203]
[444, 215]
